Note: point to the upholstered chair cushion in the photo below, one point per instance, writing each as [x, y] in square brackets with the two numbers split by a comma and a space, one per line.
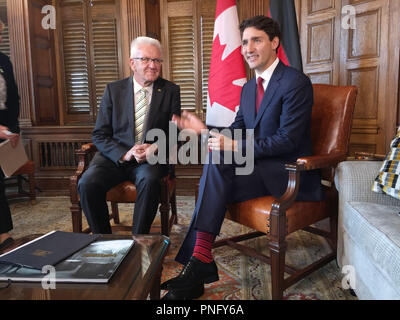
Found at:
[388, 179]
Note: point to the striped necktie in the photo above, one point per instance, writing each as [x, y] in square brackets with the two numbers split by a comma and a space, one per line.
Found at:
[140, 113]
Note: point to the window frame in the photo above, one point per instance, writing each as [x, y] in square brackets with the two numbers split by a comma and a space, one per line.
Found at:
[82, 118]
[196, 9]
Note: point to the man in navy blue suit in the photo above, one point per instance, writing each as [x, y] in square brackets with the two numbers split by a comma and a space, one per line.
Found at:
[277, 105]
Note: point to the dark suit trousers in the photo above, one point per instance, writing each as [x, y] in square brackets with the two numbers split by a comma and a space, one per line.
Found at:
[219, 186]
[5, 214]
[102, 175]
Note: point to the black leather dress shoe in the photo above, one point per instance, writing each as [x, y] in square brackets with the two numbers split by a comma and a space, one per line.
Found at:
[195, 272]
[193, 292]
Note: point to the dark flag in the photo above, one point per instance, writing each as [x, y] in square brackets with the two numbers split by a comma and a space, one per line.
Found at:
[284, 12]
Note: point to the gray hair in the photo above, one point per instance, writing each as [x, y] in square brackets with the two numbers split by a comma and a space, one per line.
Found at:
[144, 41]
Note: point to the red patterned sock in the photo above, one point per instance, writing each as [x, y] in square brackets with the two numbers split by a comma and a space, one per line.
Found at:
[203, 246]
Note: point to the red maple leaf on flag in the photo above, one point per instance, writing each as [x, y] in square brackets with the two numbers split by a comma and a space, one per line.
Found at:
[222, 75]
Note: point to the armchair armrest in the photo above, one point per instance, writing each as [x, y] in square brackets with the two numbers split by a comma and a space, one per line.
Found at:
[83, 162]
[321, 161]
[87, 148]
[304, 164]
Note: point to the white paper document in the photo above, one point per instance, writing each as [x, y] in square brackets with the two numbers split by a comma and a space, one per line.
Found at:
[11, 159]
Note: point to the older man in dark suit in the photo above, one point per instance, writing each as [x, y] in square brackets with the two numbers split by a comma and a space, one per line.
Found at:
[277, 105]
[129, 109]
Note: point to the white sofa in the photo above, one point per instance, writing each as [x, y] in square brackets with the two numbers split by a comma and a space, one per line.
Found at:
[368, 231]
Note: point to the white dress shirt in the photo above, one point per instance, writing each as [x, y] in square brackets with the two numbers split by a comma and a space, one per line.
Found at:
[136, 89]
[267, 74]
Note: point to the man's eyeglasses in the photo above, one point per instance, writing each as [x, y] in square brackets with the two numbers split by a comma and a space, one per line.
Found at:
[147, 60]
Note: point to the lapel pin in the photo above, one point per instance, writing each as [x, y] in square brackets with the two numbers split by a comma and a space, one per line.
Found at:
[159, 90]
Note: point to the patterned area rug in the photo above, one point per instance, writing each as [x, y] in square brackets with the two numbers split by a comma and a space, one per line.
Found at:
[241, 277]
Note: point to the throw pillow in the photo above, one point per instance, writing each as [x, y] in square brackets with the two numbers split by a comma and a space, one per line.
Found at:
[388, 180]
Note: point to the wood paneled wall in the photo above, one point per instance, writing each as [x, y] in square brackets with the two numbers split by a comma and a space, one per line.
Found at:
[367, 57]
[138, 18]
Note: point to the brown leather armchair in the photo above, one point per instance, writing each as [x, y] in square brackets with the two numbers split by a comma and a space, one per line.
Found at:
[125, 192]
[277, 218]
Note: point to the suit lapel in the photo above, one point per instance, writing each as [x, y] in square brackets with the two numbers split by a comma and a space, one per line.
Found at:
[251, 101]
[156, 98]
[128, 102]
[273, 85]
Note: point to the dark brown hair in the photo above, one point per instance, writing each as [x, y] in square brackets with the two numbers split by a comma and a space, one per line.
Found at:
[263, 23]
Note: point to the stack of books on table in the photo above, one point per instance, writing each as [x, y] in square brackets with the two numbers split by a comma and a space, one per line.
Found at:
[76, 258]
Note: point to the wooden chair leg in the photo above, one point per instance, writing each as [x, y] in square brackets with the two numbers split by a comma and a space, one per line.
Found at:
[164, 208]
[277, 254]
[277, 249]
[76, 213]
[32, 185]
[115, 212]
[19, 183]
[174, 212]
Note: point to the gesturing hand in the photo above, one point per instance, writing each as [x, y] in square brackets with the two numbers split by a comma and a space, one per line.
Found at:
[189, 121]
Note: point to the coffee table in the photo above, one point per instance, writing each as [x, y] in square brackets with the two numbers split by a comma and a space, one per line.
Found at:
[136, 278]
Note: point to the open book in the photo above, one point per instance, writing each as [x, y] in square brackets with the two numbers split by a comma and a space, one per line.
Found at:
[11, 159]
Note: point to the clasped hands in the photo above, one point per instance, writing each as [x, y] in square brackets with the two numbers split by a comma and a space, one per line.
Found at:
[216, 142]
[140, 152]
[6, 134]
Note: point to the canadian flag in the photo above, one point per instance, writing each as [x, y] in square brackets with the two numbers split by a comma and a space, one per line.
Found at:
[227, 72]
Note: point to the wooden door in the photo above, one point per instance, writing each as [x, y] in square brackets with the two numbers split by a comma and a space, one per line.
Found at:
[337, 52]
[44, 76]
